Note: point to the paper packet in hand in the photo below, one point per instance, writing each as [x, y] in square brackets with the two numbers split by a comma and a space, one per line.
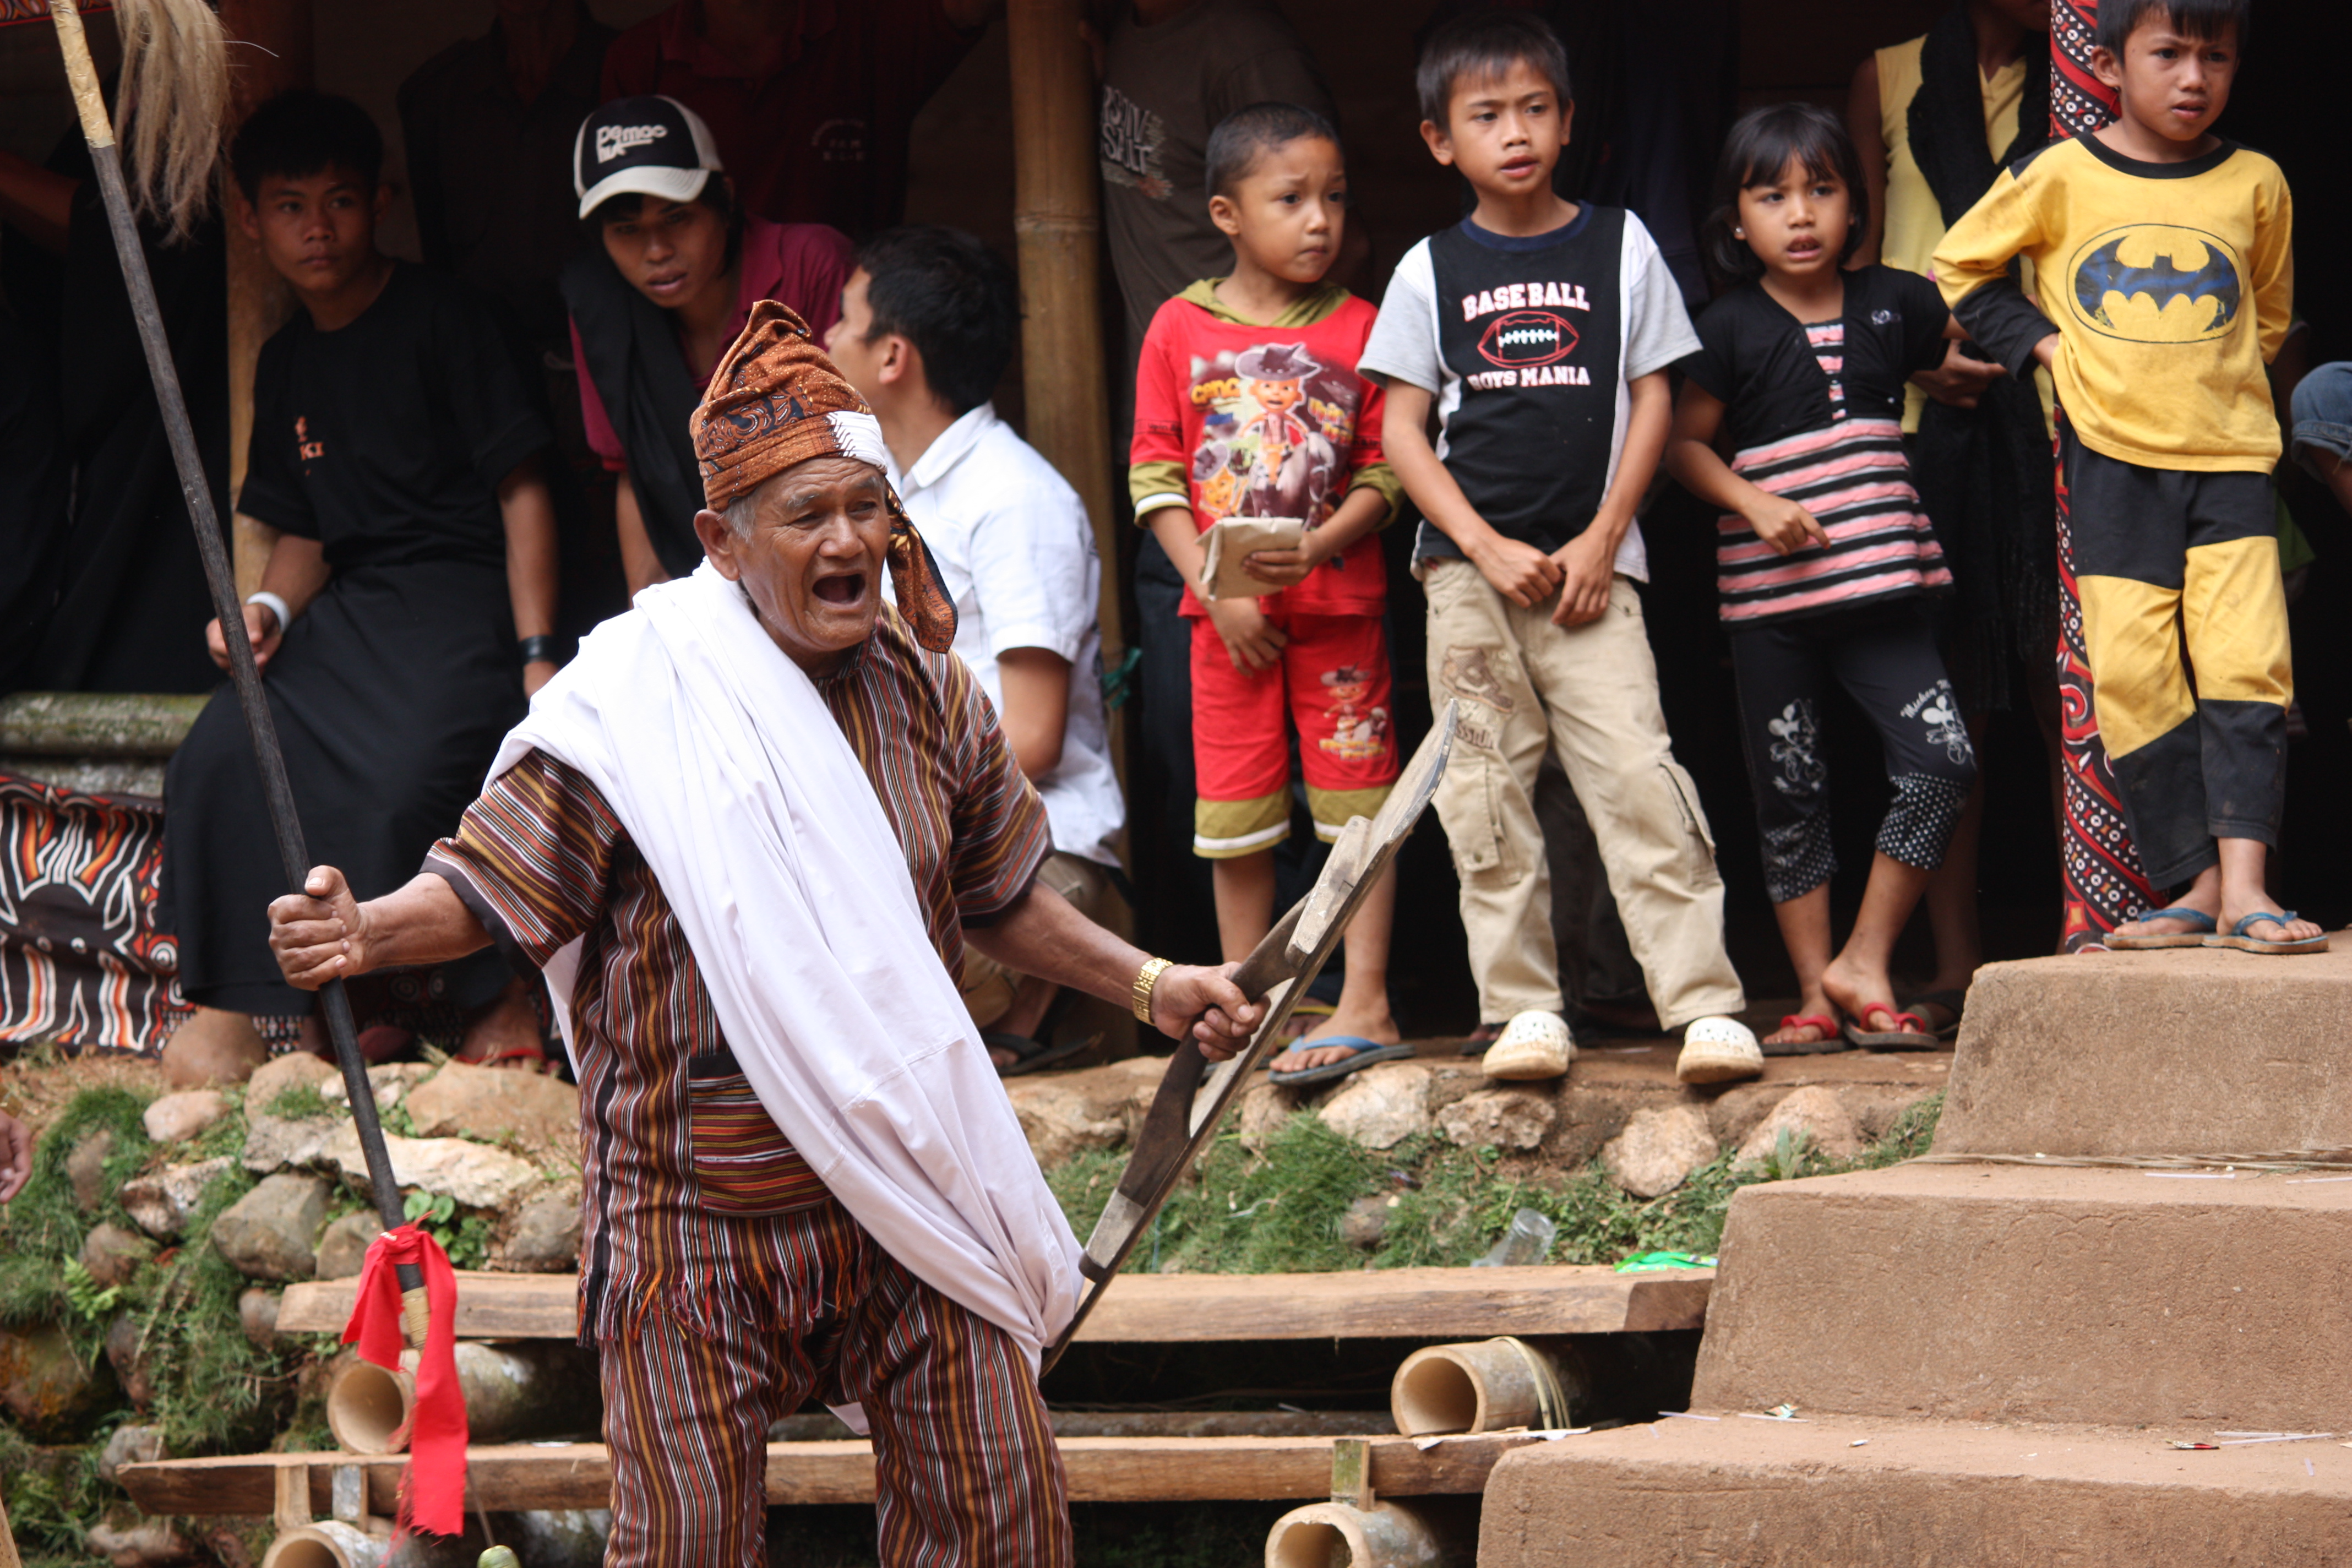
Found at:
[1231, 540]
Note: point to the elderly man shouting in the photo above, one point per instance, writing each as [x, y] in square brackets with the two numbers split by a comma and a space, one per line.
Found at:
[801, 1175]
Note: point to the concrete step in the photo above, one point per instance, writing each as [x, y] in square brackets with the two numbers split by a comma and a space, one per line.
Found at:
[1735, 1493]
[2189, 1051]
[2006, 1292]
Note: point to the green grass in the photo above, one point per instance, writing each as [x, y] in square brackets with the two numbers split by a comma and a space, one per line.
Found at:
[1279, 1212]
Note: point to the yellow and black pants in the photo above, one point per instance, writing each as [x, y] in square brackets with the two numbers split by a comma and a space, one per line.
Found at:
[2184, 621]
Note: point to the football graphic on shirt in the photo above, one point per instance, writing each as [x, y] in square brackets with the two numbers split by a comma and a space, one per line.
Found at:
[2156, 283]
[1520, 338]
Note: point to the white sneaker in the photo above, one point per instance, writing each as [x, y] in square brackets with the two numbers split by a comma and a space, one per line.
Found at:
[1717, 1049]
[1534, 1045]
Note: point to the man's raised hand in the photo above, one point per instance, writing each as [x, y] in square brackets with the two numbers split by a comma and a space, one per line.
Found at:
[318, 934]
[1207, 1001]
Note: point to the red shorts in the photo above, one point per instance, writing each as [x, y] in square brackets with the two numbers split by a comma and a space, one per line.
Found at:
[1333, 683]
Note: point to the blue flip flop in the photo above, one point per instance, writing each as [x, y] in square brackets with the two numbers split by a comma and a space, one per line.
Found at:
[1367, 1053]
[2202, 936]
[2238, 940]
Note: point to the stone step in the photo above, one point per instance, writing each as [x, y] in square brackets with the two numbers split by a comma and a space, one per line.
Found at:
[2188, 1051]
[1738, 1493]
[2020, 1293]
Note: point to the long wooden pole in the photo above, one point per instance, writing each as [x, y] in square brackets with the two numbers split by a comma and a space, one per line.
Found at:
[1057, 216]
[99, 131]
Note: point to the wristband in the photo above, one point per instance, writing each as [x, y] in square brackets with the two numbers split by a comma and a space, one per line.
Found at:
[274, 605]
[536, 648]
[1146, 979]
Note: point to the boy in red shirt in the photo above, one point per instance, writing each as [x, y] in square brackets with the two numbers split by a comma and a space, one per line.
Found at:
[1248, 405]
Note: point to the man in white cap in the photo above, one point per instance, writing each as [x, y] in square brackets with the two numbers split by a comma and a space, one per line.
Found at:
[679, 265]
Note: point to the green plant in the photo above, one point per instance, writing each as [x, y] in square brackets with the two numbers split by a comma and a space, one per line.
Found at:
[466, 1238]
[89, 1299]
[300, 1103]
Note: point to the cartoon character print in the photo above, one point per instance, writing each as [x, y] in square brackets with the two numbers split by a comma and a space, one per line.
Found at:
[1939, 710]
[1797, 751]
[1356, 732]
[1274, 438]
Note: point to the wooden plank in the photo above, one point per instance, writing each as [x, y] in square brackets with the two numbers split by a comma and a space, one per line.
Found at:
[1100, 1469]
[1168, 1309]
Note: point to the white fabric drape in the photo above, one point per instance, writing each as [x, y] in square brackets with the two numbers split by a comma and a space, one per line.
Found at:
[736, 784]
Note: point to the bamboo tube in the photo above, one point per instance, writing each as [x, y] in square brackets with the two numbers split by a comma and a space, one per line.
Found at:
[327, 1543]
[1341, 1535]
[1057, 217]
[1487, 1385]
[513, 1391]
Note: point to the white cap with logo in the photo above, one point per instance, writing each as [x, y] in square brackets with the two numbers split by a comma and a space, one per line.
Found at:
[650, 146]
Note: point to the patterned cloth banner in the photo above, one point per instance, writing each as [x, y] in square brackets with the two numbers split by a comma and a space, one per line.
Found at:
[82, 964]
[2105, 884]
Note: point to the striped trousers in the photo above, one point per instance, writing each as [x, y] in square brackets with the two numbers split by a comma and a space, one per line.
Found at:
[966, 1472]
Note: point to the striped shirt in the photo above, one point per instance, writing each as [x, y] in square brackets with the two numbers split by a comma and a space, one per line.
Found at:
[1854, 479]
[681, 1166]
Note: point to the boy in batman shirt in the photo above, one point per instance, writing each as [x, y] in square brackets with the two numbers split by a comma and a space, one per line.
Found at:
[1539, 332]
[2165, 268]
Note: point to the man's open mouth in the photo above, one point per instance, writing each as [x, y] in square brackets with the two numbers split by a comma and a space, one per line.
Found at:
[847, 588]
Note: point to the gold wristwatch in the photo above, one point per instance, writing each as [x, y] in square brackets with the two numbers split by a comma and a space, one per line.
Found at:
[1146, 978]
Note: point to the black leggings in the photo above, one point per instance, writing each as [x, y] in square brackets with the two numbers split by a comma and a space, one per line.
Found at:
[1886, 658]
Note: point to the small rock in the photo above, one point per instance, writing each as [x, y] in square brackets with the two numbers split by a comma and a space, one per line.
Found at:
[162, 1201]
[494, 1104]
[474, 1175]
[130, 1445]
[1265, 1107]
[1659, 1148]
[256, 1314]
[1499, 1119]
[388, 1081]
[271, 1232]
[177, 1118]
[1814, 1116]
[343, 1245]
[126, 1353]
[113, 1255]
[276, 1142]
[295, 1069]
[544, 1237]
[147, 1544]
[47, 1390]
[1366, 1221]
[1381, 1106]
[86, 1169]
[1062, 1120]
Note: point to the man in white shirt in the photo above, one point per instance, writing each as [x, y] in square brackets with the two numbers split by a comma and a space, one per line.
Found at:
[926, 327]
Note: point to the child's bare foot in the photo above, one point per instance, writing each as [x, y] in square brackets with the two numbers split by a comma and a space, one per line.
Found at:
[2267, 928]
[506, 1034]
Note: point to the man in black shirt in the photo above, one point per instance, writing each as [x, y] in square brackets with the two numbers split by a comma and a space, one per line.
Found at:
[404, 610]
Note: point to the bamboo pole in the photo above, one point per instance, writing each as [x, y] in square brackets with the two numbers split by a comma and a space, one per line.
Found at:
[1057, 216]
[97, 131]
[277, 36]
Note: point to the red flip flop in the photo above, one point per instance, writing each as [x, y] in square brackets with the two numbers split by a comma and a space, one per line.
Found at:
[1831, 1040]
[1910, 1034]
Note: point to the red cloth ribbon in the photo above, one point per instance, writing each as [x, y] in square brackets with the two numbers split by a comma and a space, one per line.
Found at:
[433, 1488]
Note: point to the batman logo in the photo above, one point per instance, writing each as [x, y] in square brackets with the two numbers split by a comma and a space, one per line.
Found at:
[1518, 338]
[2158, 283]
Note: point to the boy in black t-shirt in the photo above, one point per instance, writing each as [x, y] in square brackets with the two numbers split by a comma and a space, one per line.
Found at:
[1539, 333]
[395, 451]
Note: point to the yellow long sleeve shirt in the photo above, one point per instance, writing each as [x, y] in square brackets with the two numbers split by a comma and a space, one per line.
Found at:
[2169, 286]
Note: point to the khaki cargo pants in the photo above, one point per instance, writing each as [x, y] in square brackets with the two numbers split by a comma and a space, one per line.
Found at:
[1590, 693]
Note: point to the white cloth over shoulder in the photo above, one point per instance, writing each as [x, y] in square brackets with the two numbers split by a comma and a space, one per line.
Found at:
[739, 788]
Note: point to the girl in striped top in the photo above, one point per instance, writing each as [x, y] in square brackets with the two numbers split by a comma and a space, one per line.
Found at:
[1823, 551]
